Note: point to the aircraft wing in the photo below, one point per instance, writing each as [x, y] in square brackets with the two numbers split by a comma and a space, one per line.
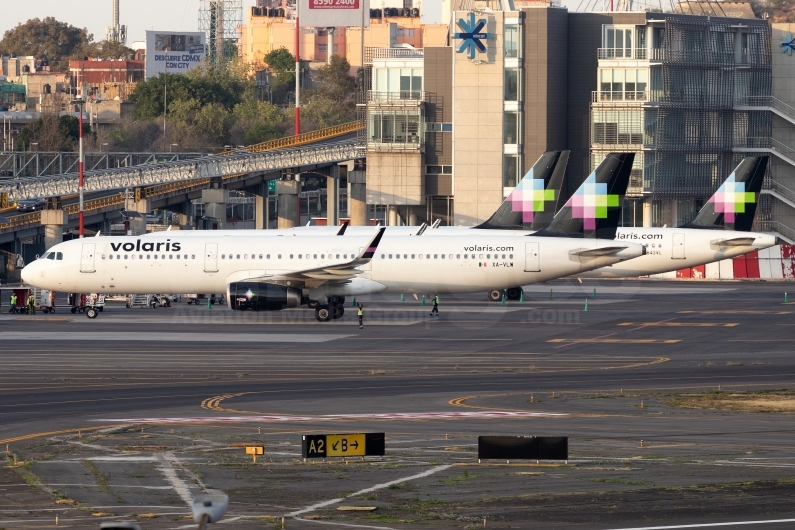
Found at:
[317, 276]
[733, 242]
[596, 252]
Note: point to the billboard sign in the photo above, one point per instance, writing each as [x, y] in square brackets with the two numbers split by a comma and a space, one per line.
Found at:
[173, 53]
[333, 13]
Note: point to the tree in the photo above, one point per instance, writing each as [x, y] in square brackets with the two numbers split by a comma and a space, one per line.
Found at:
[52, 133]
[104, 49]
[333, 101]
[282, 64]
[56, 40]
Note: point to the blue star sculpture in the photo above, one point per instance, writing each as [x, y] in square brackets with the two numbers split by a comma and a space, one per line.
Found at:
[471, 35]
[787, 44]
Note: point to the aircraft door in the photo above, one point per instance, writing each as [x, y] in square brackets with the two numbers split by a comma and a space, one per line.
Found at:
[678, 251]
[211, 257]
[87, 258]
[532, 259]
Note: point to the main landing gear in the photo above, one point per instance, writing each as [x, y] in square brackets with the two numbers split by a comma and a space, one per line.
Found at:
[331, 311]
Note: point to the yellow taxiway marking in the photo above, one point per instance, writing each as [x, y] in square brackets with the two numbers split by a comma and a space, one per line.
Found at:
[680, 324]
[54, 433]
[616, 341]
[737, 312]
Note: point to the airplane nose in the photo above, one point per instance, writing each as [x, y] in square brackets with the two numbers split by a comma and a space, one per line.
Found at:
[28, 273]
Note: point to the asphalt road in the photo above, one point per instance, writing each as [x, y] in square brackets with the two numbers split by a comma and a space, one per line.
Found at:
[603, 377]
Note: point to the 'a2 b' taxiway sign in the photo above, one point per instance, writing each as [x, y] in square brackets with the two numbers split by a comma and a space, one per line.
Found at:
[342, 445]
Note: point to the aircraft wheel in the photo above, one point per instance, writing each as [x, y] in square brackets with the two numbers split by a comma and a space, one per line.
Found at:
[338, 311]
[495, 295]
[513, 293]
[45, 310]
[323, 313]
[74, 310]
[91, 312]
[81, 309]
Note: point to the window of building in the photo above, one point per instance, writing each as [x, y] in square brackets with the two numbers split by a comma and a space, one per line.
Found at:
[438, 170]
[397, 83]
[510, 170]
[512, 40]
[511, 84]
[619, 84]
[438, 127]
[394, 127]
[511, 128]
[617, 42]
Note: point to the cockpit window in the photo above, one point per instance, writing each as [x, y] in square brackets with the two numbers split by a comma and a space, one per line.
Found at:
[59, 256]
[50, 255]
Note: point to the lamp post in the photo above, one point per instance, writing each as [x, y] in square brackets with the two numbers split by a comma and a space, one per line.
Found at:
[80, 102]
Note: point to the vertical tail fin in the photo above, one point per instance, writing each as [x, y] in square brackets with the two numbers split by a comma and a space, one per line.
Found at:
[733, 206]
[531, 205]
[595, 208]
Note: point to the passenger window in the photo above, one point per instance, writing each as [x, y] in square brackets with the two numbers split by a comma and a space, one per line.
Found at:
[322, 256]
[155, 256]
[171, 256]
[103, 257]
[238, 256]
[382, 256]
[436, 256]
[110, 257]
[397, 256]
[510, 256]
[338, 256]
[481, 256]
[177, 256]
[260, 256]
[125, 256]
[390, 256]
[280, 256]
[442, 256]
[193, 256]
[412, 256]
[458, 256]
[315, 256]
[148, 256]
[245, 256]
[291, 256]
[299, 256]
[268, 256]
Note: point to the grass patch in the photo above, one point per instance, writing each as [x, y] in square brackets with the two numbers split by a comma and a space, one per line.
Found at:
[102, 482]
[753, 401]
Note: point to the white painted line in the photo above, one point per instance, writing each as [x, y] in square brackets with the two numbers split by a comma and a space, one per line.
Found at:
[344, 524]
[450, 415]
[107, 336]
[368, 490]
[707, 525]
[170, 474]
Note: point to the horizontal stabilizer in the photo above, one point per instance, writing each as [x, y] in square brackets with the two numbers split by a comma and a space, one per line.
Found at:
[733, 242]
[596, 252]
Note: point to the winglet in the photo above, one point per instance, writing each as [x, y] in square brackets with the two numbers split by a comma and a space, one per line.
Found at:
[423, 227]
[369, 251]
[436, 223]
[342, 229]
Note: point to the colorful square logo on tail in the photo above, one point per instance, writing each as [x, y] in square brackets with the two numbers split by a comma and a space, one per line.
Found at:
[591, 201]
[731, 198]
[529, 197]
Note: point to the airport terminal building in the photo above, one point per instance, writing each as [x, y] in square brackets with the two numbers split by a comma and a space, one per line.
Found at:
[451, 128]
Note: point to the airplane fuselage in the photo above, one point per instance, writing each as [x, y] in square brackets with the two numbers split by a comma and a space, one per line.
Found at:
[208, 264]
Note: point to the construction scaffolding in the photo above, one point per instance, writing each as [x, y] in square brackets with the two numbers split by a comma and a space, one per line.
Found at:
[220, 19]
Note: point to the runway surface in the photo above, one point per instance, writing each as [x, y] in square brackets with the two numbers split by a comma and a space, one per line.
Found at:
[165, 400]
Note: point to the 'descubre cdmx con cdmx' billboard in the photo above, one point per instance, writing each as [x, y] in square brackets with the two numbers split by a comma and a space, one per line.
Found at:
[173, 53]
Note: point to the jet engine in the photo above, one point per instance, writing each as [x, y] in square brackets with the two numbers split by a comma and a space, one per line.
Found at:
[258, 296]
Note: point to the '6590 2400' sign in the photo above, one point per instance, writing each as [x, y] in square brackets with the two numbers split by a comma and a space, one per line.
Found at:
[333, 4]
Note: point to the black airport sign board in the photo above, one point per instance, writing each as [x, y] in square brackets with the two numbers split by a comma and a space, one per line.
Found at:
[523, 447]
[343, 445]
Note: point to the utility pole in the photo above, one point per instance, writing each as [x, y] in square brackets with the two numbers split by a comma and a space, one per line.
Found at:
[165, 109]
[80, 102]
[297, 72]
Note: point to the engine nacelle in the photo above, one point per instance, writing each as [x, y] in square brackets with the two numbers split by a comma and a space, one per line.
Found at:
[259, 296]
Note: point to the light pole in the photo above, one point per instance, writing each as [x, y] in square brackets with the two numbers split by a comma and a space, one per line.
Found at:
[297, 73]
[80, 102]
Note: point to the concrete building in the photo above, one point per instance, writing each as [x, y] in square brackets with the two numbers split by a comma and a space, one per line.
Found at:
[451, 128]
[267, 29]
[782, 144]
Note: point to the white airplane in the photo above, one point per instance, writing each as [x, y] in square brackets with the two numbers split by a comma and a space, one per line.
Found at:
[272, 274]
[721, 230]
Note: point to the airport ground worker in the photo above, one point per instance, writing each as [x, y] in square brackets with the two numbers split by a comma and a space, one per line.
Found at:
[13, 309]
[31, 305]
[360, 313]
[435, 310]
